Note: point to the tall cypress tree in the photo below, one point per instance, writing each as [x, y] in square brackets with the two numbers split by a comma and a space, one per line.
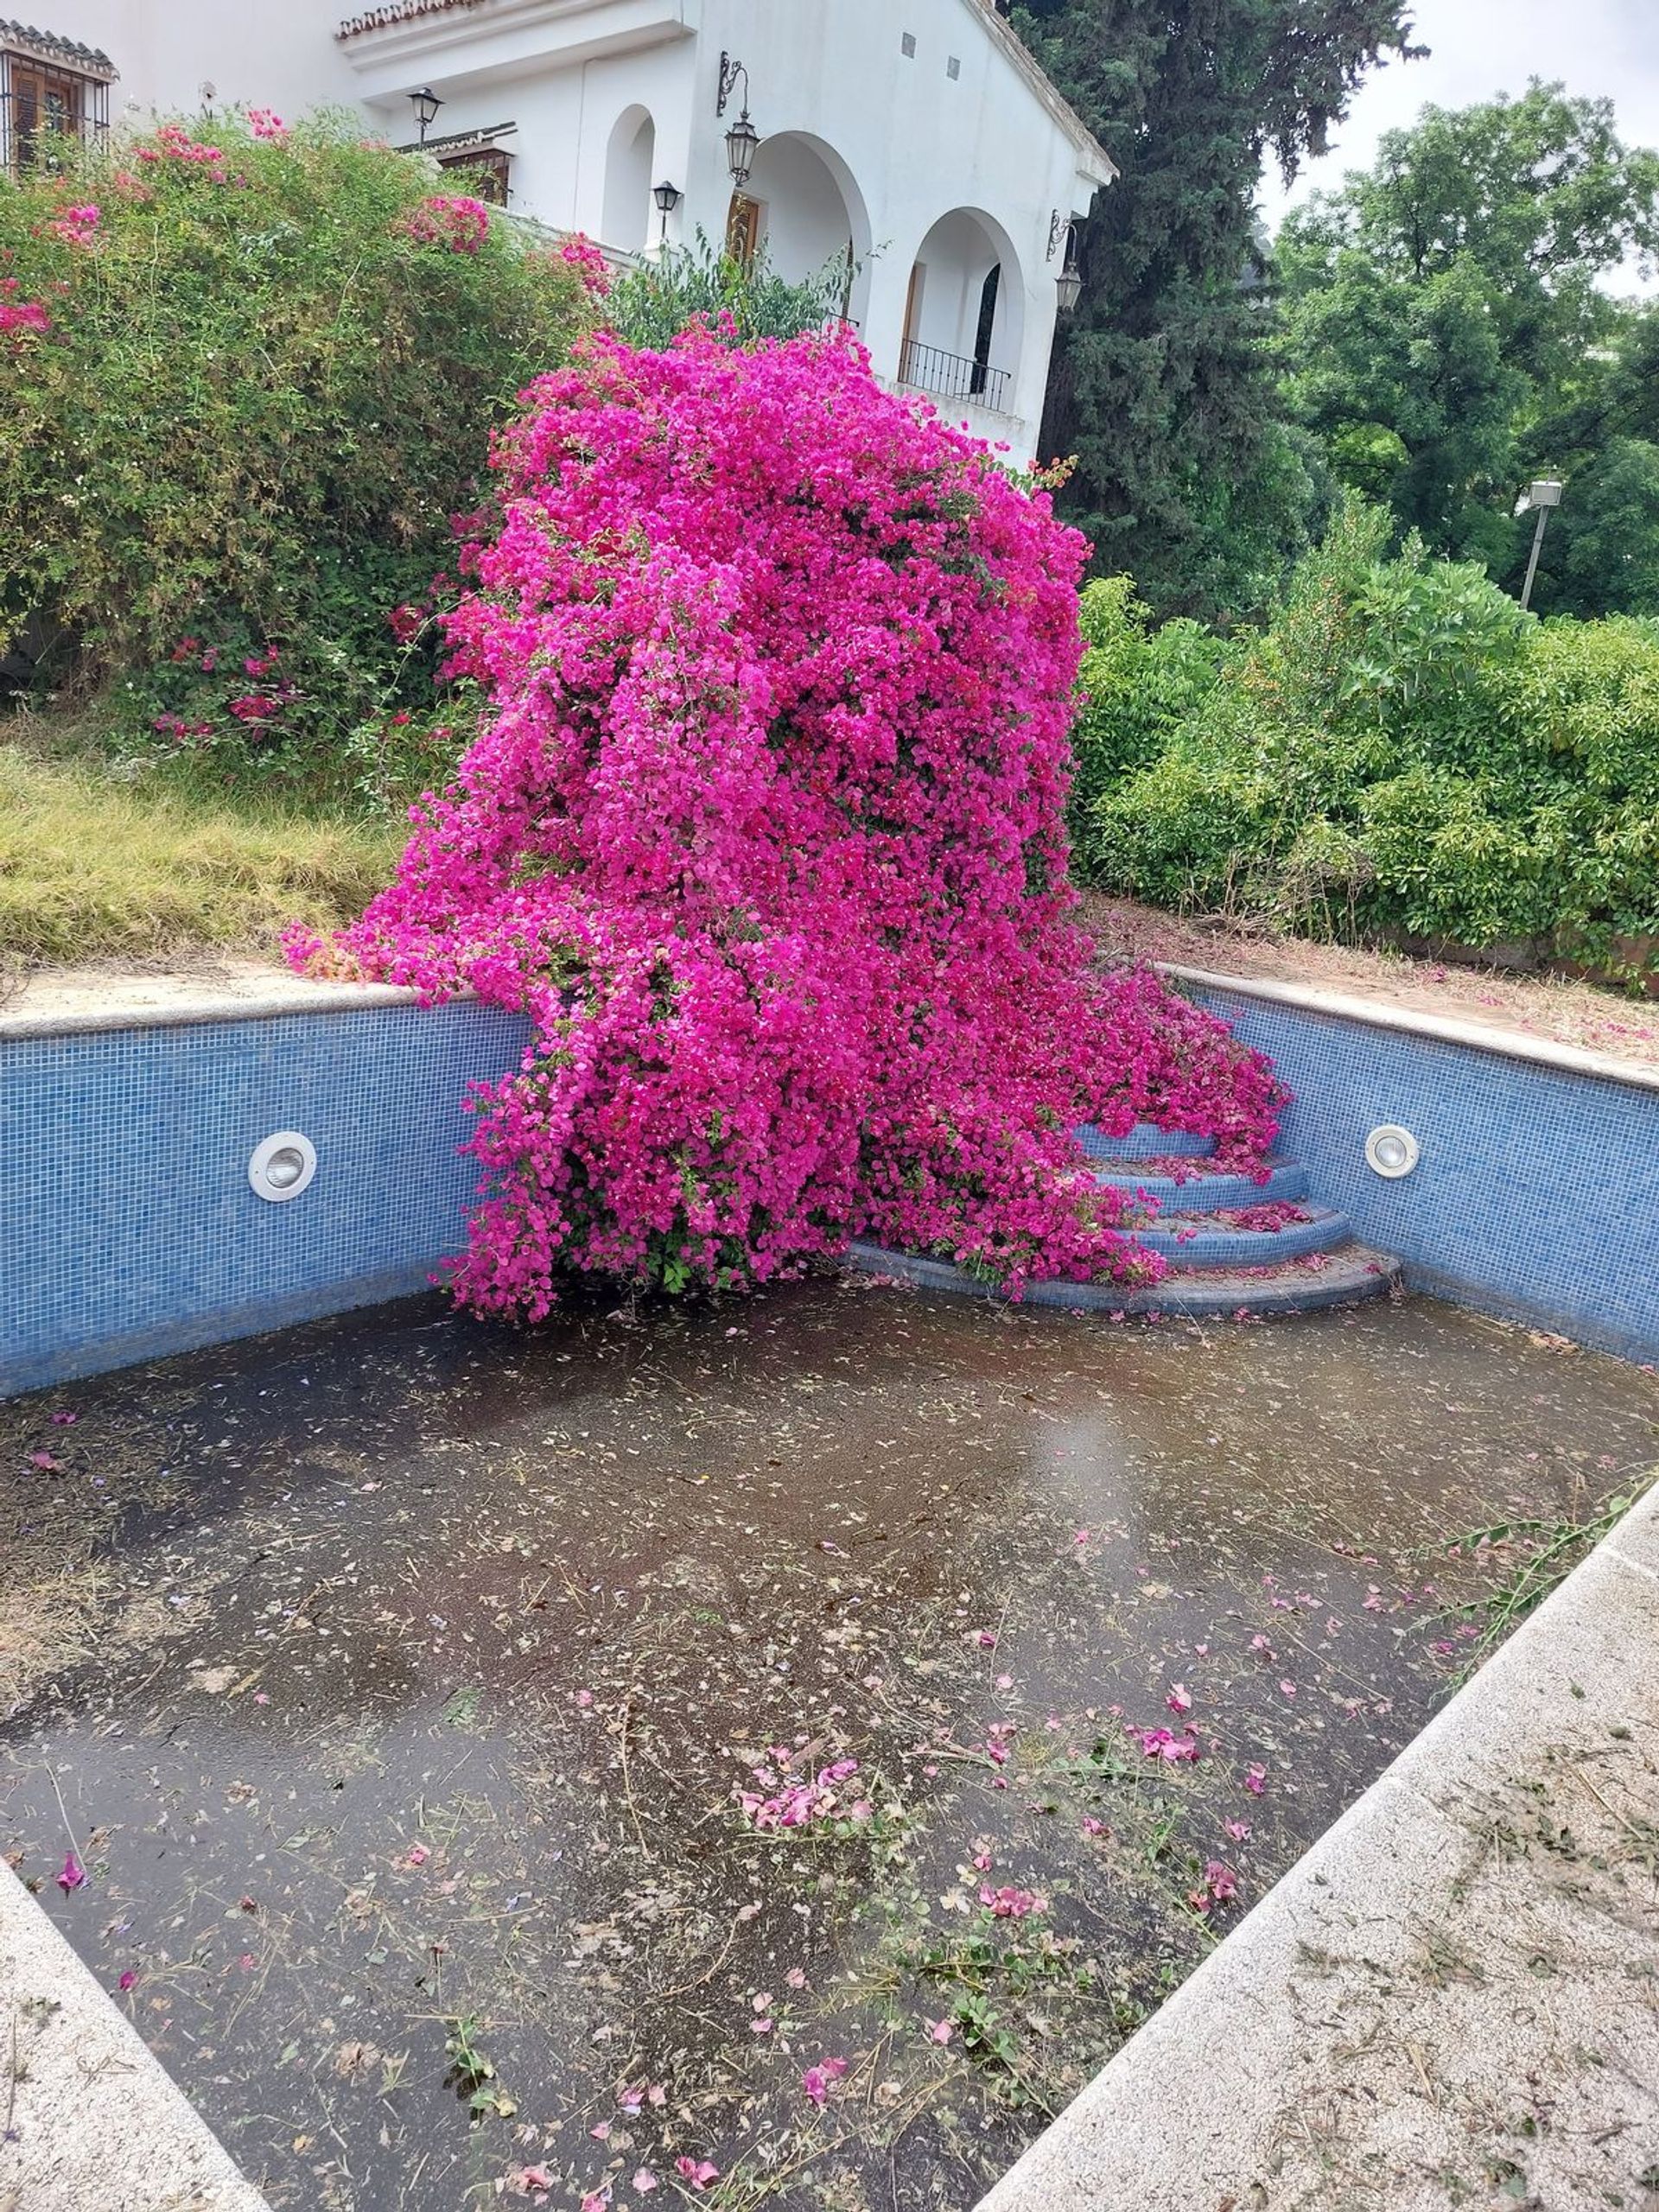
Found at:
[1161, 386]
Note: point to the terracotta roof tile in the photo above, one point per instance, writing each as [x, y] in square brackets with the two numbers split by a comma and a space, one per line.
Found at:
[47, 46]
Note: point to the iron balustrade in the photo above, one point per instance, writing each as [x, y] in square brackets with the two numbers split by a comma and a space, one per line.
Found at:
[953, 376]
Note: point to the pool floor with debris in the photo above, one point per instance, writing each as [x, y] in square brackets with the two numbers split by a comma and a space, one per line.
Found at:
[766, 1754]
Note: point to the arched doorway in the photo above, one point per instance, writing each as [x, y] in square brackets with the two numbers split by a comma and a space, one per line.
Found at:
[964, 313]
[630, 156]
[802, 205]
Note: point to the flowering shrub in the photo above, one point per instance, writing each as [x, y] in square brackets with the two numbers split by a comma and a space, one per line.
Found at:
[587, 257]
[765, 833]
[270, 363]
[460, 225]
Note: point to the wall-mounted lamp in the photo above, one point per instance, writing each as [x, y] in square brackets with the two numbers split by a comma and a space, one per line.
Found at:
[668, 198]
[1068, 286]
[742, 138]
[426, 105]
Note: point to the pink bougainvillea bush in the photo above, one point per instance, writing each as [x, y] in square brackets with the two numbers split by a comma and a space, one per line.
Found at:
[765, 835]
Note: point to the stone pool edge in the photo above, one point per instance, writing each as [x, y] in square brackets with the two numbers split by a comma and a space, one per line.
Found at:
[94, 2118]
[1313, 2032]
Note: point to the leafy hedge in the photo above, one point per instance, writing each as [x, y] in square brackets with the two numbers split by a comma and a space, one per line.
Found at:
[1400, 751]
[246, 383]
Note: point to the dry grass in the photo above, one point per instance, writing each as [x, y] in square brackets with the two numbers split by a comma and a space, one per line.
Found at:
[93, 868]
[1564, 1009]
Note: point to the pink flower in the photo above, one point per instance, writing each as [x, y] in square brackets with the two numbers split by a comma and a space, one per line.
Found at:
[643, 2181]
[523, 2180]
[1256, 1780]
[588, 261]
[460, 224]
[71, 1874]
[1010, 1904]
[1178, 1700]
[417, 1855]
[128, 1979]
[816, 2080]
[939, 2031]
[698, 2172]
[1239, 1830]
[256, 706]
[1161, 1744]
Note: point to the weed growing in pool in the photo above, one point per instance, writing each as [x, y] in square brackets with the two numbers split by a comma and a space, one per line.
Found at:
[1538, 1555]
[766, 832]
[471, 2073]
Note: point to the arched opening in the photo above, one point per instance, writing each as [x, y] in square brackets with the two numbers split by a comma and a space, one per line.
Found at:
[801, 205]
[630, 156]
[963, 315]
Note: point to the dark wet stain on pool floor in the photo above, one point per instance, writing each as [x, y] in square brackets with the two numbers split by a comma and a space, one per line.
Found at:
[762, 1755]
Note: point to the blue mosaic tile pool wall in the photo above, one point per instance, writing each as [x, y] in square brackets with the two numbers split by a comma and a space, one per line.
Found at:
[128, 1227]
[1536, 1195]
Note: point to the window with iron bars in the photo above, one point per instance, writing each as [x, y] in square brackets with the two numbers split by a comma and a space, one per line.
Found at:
[42, 100]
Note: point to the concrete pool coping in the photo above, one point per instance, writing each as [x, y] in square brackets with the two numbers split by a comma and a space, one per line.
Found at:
[1448, 1029]
[68, 1001]
[91, 2117]
[1454, 1981]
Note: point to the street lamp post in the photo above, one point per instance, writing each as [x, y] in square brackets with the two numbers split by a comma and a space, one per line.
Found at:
[1544, 493]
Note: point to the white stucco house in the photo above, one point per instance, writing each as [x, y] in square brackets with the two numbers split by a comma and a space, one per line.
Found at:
[917, 138]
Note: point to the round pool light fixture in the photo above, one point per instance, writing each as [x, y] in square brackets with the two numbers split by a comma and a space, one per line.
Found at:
[1391, 1151]
[283, 1165]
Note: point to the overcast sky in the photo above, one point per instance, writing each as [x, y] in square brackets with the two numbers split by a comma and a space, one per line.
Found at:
[1602, 47]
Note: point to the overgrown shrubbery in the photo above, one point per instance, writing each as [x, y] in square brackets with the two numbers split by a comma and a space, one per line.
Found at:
[766, 835]
[738, 301]
[1401, 750]
[246, 379]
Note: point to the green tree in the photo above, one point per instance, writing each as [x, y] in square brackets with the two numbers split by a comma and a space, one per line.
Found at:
[1445, 328]
[1162, 385]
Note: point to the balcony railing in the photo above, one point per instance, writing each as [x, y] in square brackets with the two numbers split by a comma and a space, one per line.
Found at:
[953, 376]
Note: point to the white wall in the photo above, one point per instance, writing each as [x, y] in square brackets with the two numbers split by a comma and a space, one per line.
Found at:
[919, 142]
[905, 143]
[275, 54]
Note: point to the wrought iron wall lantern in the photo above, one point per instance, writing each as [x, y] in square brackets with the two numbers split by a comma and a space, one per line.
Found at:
[1068, 285]
[742, 138]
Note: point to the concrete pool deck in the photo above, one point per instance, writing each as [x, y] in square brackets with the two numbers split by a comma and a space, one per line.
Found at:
[1451, 1998]
[91, 2119]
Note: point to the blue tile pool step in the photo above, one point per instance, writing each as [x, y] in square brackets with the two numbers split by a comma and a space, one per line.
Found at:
[1192, 1242]
[1200, 1189]
[1218, 1264]
[1145, 1141]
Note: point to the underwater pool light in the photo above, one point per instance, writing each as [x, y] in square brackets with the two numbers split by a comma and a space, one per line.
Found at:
[283, 1165]
[1390, 1150]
